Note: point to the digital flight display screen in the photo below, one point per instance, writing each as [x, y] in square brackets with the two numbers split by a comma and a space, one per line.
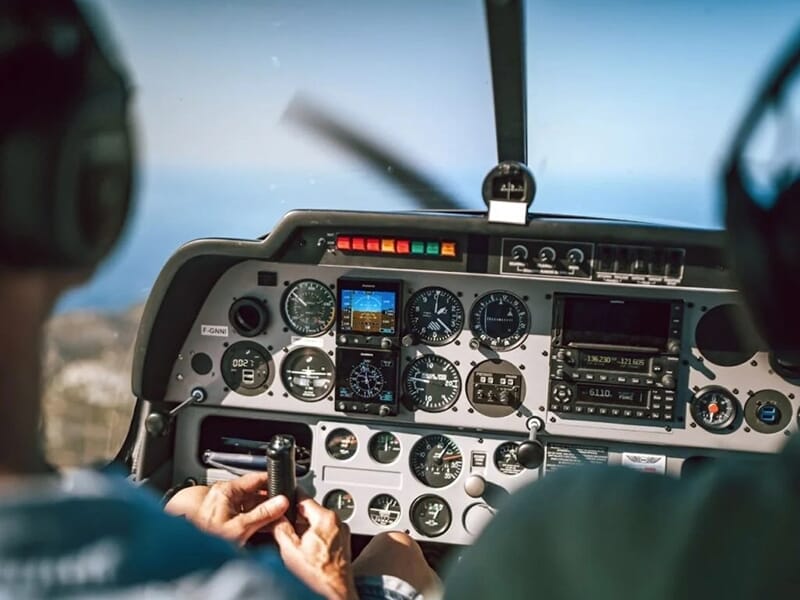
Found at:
[369, 307]
[614, 361]
[616, 322]
[609, 394]
[366, 380]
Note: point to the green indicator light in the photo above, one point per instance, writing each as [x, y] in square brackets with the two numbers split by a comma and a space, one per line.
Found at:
[417, 247]
[432, 248]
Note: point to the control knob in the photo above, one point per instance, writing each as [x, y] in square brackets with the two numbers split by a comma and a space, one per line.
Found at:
[475, 485]
[547, 255]
[575, 256]
[668, 381]
[408, 340]
[530, 453]
[519, 252]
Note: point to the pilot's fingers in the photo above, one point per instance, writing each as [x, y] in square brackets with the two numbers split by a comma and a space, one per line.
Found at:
[318, 517]
[247, 484]
[246, 524]
[187, 502]
[285, 535]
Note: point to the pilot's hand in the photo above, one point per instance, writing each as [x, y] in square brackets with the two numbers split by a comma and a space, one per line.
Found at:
[234, 510]
[317, 549]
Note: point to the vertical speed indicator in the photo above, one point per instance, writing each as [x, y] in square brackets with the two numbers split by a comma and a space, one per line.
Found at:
[499, 320]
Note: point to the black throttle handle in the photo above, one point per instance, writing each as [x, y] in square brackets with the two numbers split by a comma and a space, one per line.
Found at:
[281, 470]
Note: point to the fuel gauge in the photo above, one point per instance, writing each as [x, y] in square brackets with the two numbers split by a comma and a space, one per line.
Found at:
[505, 459]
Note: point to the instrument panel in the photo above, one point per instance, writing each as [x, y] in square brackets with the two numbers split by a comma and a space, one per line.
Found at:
[415, 366]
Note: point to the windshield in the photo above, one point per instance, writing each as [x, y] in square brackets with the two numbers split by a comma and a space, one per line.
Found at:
[630, 106]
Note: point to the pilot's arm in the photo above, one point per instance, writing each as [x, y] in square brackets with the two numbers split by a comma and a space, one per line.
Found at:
[732, 531]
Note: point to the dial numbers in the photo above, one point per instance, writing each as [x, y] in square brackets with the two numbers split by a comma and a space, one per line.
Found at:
[366, 380]
[384, 510]
[432, 383]
[499, 320]
[435, 316]
[309, 307]
[431, 515]
[436, 460]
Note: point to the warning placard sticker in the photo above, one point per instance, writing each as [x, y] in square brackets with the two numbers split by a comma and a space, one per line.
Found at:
[569, 455]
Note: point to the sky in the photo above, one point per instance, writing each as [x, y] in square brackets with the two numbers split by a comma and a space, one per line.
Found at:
[630, 107]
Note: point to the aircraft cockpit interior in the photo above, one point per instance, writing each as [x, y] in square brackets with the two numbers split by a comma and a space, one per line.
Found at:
[427, 364]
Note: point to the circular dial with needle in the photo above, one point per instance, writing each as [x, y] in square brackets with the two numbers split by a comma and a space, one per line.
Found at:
[436, 460]
[714, 409]
[384, 510]
[384, 447]
[434, 316]
[308, 307]
[431, 515]
[341, 444]
[499, 320]
[341, 503]
[505, 459]
[432, 383]
[366, 380]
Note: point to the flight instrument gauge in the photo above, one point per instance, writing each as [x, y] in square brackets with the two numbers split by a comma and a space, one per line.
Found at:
[431, 515]
[341, 503]
[436, 460]
[366, 380]
[307, 374]
[715, 409]
[499, 320]
[341, 444]
[505, 459]
[432, 383]
[384, 447]
[246, 368]
[384, 510]
[434, 316]
[309, 307]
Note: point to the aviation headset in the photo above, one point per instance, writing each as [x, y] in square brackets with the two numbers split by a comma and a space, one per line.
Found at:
[764, 233]
[66, 152]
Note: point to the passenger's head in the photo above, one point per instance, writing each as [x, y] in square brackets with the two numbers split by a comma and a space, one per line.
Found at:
[762, 191]
[65, 144]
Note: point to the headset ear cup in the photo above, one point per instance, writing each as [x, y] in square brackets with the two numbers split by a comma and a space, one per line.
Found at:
[94, 184]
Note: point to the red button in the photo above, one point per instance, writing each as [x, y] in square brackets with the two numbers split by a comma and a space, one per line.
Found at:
[358, 244]
[373, 245]
[343, 242]
[403, 247]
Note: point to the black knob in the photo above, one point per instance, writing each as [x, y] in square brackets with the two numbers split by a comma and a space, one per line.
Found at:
[386, 343]
[156, 424]
[408, 340]
[281, 470]
[547, 254]
[531, 454]
[668, 381]
[474, 343]
[575, 256]
[519, 252]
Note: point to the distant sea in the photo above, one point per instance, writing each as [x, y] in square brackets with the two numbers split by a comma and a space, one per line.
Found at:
[178, 205]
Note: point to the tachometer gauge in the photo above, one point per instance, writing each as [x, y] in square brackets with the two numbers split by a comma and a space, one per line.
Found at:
[309, 307]
[341, 444]
[499, 320]
[714, 409]
[307, 374]
[431, 515]
[384, 447]
[436, 460]
[432, 383]
[341, 503]
[384, 510]
[505, 459]
[434, 316]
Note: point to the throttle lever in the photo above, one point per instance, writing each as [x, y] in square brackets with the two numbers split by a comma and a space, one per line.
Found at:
[281, 470]
[530, 453]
